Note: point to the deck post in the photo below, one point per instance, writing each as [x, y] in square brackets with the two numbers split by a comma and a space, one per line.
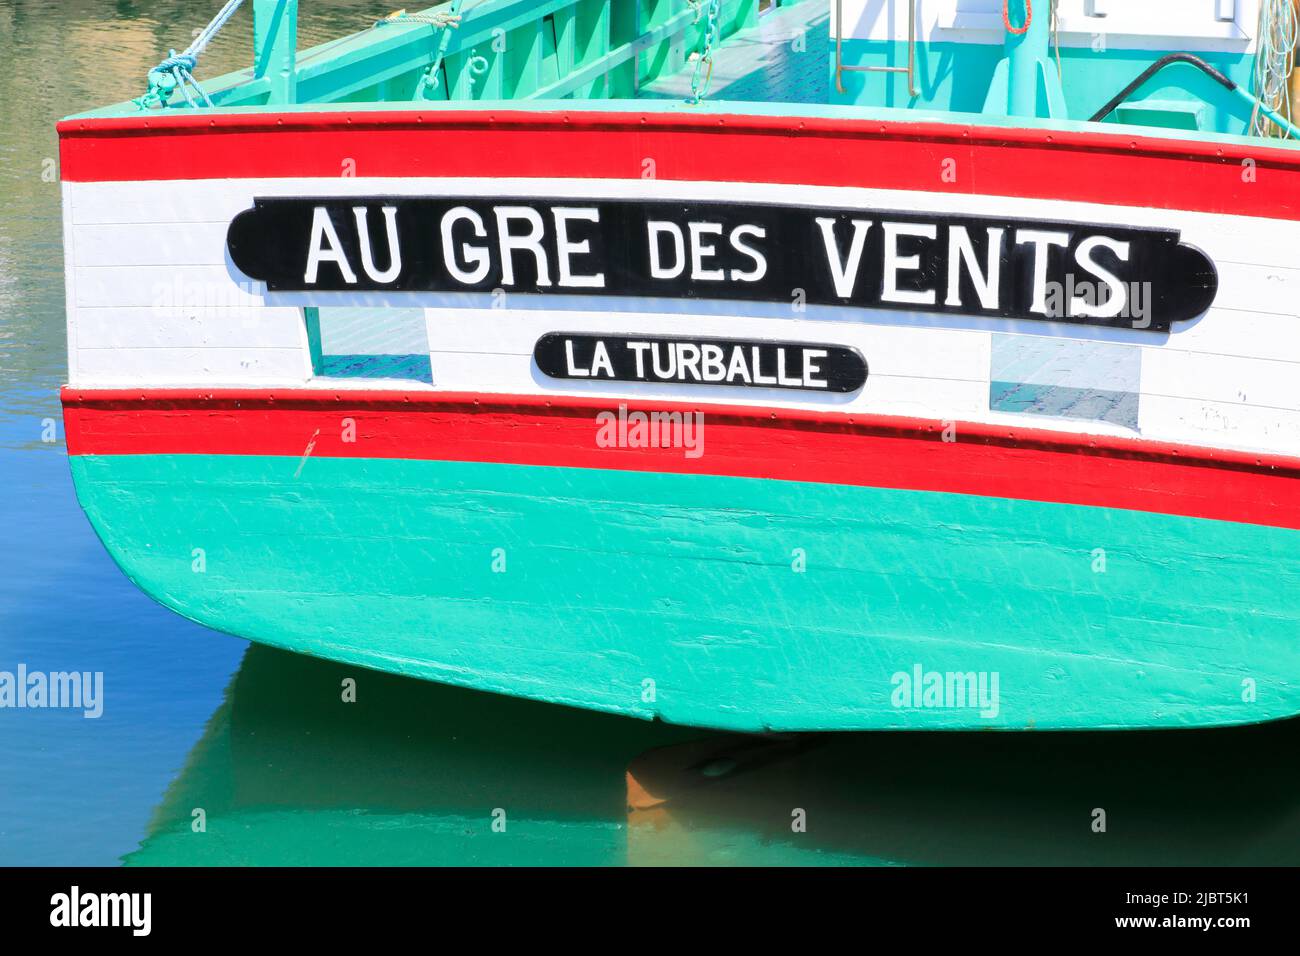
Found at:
[1024, 53]
[1025, 81]
[275, 47]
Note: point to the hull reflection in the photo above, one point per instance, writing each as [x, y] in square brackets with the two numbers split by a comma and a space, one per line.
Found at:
[416, 773]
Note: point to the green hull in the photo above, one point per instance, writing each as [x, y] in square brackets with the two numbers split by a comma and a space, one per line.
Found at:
[722, 602]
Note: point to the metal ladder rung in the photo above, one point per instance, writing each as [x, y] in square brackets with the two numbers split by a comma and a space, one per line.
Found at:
[910, 69]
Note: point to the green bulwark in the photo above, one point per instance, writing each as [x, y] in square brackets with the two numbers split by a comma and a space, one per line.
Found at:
[500, 50]
[782, 53]
[730, 603]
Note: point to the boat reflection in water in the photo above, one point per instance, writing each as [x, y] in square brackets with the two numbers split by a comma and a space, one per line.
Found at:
[418, 773]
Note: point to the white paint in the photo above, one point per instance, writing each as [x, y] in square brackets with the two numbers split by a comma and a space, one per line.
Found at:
[844, 269]
[190, 327]
[738, 237]
[476, 259]
[394, 268]
[567, 248]
[215, 202]
[961, 257]
[154, 300]
[1127, 24]
[895, 263]
[216, 367]
[325, 247]
[1041, 239]
[1116, 302]
[659, 269]
[529, 242]
[703, 249]
[70, 280]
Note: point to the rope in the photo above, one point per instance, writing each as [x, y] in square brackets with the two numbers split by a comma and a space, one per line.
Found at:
[1006, 17]
[212, 29]
[177, 70]
[433, 19]
[1056, 38]
[443, 23]
[1278, 32]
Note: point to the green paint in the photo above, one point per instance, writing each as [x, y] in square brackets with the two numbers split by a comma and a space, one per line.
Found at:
[410, 773]
[1035, 88]
[311, 318]
[591, 44]
[615, 578]
[601, 51]
[275, 45]
[956, 77]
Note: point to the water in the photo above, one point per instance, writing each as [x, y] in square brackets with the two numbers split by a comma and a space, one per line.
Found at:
[257, 746]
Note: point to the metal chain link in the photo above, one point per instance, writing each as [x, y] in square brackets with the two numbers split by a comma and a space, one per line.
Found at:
[710, 11]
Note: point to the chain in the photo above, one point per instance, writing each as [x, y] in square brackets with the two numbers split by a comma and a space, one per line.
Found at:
[710, 12]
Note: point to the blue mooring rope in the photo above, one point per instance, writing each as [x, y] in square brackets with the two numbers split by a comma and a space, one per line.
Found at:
[177, 70]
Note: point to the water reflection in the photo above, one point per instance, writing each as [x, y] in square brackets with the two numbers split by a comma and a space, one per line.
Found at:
[412, 773]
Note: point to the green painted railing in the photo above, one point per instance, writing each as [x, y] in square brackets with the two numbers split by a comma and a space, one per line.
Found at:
[501, 49]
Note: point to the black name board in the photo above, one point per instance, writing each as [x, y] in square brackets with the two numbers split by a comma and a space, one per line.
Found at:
[696, 361]
[1091, 274]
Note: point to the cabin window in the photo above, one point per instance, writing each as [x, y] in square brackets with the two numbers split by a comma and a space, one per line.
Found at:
[368, 342]
[1066, 378]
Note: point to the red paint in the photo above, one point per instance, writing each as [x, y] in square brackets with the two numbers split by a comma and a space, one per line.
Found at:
[797, 445]
[1087, 166]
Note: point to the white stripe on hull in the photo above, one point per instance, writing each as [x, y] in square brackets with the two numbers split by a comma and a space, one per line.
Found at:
[154, 300]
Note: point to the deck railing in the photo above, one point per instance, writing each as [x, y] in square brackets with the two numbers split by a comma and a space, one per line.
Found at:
[501, 49]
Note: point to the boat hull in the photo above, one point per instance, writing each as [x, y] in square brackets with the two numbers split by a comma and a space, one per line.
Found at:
[647, 583]
[1013, 516]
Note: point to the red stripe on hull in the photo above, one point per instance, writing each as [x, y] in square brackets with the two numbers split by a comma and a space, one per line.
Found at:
[739, 441]
[1100, 167]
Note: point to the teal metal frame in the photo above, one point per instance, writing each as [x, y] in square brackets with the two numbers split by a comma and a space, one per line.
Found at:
[275, 48]
[585, 52]
[1025, 82]
[499, 49]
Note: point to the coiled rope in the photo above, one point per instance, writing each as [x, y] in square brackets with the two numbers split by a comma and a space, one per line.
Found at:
[177, 70]
[1274, 60]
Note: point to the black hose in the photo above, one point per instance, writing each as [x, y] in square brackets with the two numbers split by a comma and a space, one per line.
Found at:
[1155, 68]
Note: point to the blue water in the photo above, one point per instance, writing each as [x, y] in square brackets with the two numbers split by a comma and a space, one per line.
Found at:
[78, 790]
[74, 790]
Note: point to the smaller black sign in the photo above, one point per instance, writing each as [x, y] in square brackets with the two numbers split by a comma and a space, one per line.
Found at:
[693, 361]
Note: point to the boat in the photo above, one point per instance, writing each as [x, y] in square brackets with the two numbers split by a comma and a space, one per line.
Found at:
[749, 365]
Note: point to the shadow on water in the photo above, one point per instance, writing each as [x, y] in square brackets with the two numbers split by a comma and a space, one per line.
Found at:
[417, 773]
